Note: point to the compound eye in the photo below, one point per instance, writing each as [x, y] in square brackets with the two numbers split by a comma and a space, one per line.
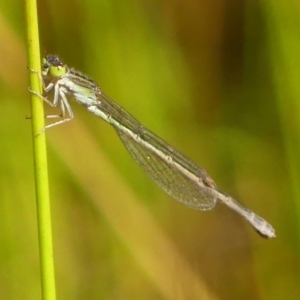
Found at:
[57, 71]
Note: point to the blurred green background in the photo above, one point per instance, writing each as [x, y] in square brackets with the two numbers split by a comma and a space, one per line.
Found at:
[218, 80]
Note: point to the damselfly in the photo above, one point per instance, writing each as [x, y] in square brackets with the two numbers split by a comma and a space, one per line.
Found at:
[177, 175]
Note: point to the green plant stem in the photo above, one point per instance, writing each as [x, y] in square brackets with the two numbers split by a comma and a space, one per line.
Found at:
[40, 158]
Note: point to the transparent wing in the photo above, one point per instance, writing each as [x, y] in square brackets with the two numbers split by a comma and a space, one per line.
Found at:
[165, 172]
[177, 175]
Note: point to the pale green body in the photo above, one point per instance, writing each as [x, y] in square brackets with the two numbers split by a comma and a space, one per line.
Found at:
[172, 171]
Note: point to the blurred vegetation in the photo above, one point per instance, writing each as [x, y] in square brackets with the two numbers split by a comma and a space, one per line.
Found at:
[220, 82]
